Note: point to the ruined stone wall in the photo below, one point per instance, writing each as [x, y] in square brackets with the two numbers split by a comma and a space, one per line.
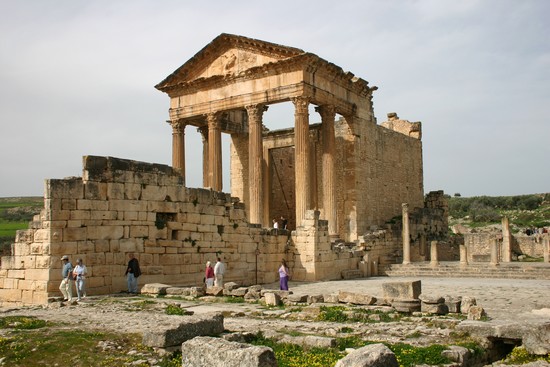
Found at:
[384, 244]
[478, 246]
[121, 206]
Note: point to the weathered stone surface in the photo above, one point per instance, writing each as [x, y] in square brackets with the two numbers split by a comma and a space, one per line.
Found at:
[318, 298]
[403, 290]
[214, 291]
[178, 291]
[374, 355]
[536, 338]
[230, 286]
[182, 329]
[466, 303]
[155, 288]
[272, 299]
[196, 291]
[453, 303]
[434, 308]
[239, 292]
[476, 313]
[209, 352]
[330, 298]
[430, 299]
[309, 341]
[457, 354]
[356, 298]
[406, 305]
[296, 298]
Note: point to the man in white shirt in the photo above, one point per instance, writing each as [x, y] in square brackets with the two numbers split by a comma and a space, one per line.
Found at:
[219, 271]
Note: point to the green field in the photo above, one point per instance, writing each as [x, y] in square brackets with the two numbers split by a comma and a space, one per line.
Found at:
[13, 220]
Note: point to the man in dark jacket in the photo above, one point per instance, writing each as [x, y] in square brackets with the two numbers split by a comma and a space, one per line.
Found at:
[132, 273]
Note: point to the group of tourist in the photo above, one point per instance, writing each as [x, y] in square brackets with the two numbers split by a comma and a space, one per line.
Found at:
[70, 274]
[79, 272]
[214, 276]
[281, 223]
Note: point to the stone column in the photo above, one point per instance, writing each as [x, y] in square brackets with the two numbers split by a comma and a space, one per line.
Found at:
[463, 256]
[423, 246]
[506, 241]
[328, 114]
[214, 151]
[204, 134]
[494, 252]
[546, 248]
[178, 146]
[406, 235]
[301, 157]
[255, 160]
[434, 256]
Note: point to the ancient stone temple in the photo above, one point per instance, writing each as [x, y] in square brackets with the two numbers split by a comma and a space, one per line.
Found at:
[355, 172]
[341, 183]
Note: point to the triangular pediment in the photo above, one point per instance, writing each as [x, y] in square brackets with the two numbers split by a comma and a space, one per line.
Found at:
[228, 55]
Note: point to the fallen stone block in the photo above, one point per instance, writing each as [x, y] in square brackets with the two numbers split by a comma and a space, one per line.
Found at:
[458, 354]
[214, 291]
[309, 341]
[178, 291]
[230, 286]
[356, 298]
[272, 299]
[429, 299]
[318, 298]
[402, 290]
[155, 288]
[453, 303]
[209, 352]
[434, 308]
[406, 305]
[536, 338]
[466, 303]
[183, 328]
[373, 355]
[296, 298]
[476, 313]
[239, 292]
[330, 298]
[196, 291]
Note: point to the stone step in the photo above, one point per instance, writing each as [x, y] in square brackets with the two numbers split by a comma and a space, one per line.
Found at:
[474, 270]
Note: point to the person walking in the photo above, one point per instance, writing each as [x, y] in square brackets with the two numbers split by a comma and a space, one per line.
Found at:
[132, 272]
[284, 275]
[66, 286]
[79, 273]
[209, 275]
[219, 272]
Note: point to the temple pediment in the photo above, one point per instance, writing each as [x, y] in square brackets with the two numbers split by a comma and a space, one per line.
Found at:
[228, 55]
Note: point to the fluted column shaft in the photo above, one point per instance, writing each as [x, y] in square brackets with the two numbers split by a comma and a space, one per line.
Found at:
[205, 176]
[255, 160]
[406, 235]
[214, 151]
[328, 114]
[301, 157]
[178, 146]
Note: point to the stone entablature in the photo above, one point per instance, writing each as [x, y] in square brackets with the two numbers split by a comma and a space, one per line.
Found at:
[122, 206]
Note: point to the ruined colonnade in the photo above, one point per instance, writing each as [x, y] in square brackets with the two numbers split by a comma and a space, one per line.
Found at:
[212, 157]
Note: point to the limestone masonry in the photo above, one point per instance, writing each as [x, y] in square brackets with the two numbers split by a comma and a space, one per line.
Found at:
[341, 184]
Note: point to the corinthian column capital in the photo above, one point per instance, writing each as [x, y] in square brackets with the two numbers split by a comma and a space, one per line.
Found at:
[301, 104]
[178, 126]
[327, 112]
[255, 112]
[214, 120]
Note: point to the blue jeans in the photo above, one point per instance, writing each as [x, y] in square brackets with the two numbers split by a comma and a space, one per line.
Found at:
[132, 283]
[80, 290]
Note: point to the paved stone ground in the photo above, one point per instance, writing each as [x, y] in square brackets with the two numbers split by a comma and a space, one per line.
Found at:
[511, 299]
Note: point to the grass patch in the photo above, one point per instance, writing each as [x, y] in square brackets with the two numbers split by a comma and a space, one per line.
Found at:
[409, 356]
[21, 323]
[519, 355]
[233, 299]
[172, 309]
[345, 314]
[45, 346]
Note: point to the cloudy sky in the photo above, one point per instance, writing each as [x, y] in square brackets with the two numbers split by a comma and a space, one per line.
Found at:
[77, 78]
